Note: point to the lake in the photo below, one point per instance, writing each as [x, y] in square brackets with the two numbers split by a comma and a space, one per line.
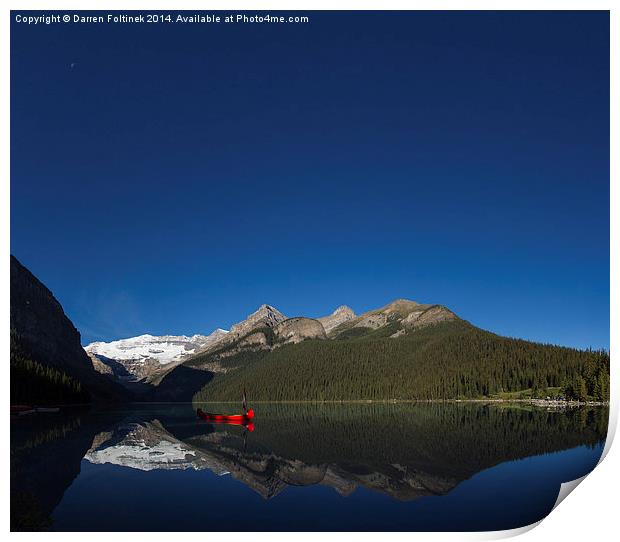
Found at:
[422, 467]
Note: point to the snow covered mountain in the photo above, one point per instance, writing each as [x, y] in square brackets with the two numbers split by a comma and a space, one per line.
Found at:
[138, 357]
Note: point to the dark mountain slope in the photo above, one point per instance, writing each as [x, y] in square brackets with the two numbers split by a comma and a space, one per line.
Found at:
[42, 337]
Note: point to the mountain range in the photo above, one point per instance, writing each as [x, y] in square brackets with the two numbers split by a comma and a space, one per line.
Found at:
[404, 350]
[149, 357]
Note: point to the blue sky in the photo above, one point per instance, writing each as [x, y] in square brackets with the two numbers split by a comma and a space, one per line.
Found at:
[172, 178]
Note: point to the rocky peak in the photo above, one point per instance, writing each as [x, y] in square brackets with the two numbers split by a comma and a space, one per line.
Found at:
[344, 310]
[340, 315]
[401, 305]
[265, 316]
[269, 314]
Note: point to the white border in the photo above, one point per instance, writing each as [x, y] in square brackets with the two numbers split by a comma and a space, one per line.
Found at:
[589, 514]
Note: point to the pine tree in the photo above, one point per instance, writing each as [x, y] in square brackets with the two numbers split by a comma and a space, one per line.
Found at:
[580, 388]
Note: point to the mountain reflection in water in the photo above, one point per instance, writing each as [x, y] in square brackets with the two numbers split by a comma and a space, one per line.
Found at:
[364, 452]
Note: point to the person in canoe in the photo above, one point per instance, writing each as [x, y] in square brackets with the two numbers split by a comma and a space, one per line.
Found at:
[244, 403]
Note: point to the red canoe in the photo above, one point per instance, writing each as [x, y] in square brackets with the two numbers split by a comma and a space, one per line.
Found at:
[21, 408]
[226, 418]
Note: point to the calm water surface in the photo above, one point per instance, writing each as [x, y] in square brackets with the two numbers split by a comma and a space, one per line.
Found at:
[303, 467]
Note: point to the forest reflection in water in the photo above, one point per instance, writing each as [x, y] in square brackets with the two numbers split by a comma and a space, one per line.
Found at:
[365, 452]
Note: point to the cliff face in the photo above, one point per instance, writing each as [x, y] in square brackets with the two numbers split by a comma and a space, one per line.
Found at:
[295, 330]
[404, 315]
[47, 334]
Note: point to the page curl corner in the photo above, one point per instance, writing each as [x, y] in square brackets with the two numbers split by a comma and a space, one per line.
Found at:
[566, 489]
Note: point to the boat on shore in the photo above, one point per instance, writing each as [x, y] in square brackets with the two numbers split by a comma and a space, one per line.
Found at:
[23, 410]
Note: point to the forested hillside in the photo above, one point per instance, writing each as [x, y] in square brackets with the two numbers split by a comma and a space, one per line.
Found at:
[448, 360]
[35, 383]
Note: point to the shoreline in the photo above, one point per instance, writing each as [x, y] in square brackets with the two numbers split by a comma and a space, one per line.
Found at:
[537, 402]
